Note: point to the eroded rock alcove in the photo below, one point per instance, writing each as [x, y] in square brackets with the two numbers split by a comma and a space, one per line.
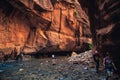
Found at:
[43, 26]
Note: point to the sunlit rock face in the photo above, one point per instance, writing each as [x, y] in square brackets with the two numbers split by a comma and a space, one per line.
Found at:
[104, 18]
[14, 28]
[42, 26]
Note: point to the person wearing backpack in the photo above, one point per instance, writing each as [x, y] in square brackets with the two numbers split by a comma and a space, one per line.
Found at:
[96, 58]
[109, 65]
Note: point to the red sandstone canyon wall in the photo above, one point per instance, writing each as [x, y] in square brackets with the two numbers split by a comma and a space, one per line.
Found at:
[42, 26]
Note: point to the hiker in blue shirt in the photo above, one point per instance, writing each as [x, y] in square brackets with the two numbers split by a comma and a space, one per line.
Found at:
[109, 66]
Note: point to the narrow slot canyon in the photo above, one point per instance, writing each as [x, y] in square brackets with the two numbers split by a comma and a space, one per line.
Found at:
[56, 39]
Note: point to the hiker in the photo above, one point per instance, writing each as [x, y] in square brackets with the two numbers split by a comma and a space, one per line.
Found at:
[53, 56]
[109, 66]
[53, 59]
[96, 58]
[20, 55]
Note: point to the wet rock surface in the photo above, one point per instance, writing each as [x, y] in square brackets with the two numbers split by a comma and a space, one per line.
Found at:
[43, 69]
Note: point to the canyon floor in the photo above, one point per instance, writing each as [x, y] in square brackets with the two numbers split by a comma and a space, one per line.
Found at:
[60, 68]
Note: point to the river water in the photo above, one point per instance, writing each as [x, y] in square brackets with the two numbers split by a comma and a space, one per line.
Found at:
[48, 69]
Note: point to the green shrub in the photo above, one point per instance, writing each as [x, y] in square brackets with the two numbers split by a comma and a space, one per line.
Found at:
[76, 13]
[90, 46]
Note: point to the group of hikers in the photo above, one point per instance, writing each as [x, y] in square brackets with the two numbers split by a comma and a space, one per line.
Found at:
[107, 61]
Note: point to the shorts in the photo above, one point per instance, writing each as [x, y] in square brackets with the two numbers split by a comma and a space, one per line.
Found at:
[109, 71]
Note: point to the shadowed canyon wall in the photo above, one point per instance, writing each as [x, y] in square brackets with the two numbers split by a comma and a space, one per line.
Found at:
[32, 26]
[104, 18]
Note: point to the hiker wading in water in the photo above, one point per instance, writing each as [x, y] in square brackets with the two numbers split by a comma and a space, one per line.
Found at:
[109, 66]
[96, 58]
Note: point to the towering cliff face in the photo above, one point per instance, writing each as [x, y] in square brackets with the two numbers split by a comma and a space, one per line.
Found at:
[104, 18]
[42, 26]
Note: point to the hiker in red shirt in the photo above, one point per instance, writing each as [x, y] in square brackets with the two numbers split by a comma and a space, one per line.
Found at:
[96, 58]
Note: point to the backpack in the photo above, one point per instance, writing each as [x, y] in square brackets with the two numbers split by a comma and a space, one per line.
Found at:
[108, 62]
[96, 57]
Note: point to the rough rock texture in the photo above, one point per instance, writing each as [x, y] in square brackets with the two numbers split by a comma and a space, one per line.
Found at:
[104, 18]
[82, 58]
[42, 26]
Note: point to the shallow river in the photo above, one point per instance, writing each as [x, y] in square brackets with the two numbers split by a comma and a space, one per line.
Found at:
[48, 69]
